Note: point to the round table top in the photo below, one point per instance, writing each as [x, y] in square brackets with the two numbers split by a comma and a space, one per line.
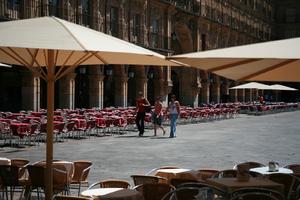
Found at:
[175, 171]
[113, 194]
[4, 161]
[265, 170]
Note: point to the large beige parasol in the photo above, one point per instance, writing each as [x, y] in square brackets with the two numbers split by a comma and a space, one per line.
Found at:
[252, 85]
[282, 87]
[269, 61]
[51, 48]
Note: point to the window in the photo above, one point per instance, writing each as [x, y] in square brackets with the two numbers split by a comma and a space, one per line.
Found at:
[53, 10]
[13, 4]
[290, 34]
[136, 28]
[114, 21]
[86, 10]
[154, 29]
[290, 15]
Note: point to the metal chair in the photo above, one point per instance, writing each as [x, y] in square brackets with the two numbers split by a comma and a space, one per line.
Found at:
[81, 172]
[143, 179]
[111, 183]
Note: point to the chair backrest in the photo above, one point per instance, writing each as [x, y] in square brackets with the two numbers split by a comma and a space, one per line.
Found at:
[81, 170]
[9, 175]
[178, 181]
[163, 167]
[155, 191]
[70, 126]
[229, 173]
[285, 179]
[294, 167]
[37, 175]
[63, 197]
[207, 173]
[19, 162]
[114, 183]
[143, 179]
[270, 192]
[249, 165]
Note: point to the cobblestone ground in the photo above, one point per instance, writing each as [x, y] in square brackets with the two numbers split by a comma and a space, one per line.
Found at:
[217, 144]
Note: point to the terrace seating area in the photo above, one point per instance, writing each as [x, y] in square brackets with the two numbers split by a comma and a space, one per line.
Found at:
[21, 178]
[29, 128]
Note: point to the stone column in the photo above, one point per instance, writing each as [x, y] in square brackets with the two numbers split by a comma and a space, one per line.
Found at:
[233, 94]
[67, 91]
[121, 90]
[204, 94]
[225, 90]
[189, 96]
[30, 92]
[241, 95]
[248, 95]
[141, 85]
[216, 89]
[141, 80]
[96, 87]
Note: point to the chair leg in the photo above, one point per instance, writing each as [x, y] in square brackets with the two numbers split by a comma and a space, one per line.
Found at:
[79, 187]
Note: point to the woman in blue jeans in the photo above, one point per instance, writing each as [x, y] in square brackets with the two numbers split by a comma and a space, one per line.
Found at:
[174, 112]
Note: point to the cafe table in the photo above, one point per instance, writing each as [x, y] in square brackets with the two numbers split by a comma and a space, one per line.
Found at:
[113, 194]
[231, 184]
[4, 161]
[266, 171]
[177, 173]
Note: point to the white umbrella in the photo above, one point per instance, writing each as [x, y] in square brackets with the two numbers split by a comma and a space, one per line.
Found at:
[281, 87]
[252, 85]
[4, 65]
[268, 61]
[43, 44]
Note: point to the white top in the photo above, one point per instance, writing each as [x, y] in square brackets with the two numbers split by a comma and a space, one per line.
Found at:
[172, 108]
[99, 191]
[174, 171]
[265, 170]
[4, 161]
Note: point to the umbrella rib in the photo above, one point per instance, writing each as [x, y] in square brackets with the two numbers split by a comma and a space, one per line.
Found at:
[222, 67]
[46, 59]
[20, 58]
[15, 58]
[56, 56]
[64, 64]
[34, 70]
[101, 59]
[41, 71]
[78, 62]
[267, 69]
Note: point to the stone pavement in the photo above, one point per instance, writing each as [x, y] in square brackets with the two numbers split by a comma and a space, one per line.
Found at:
[217, 144]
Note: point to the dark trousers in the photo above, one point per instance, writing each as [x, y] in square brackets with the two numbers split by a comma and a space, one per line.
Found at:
[139, 120]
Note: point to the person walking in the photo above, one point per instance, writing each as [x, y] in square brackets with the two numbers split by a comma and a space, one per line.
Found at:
[157, 116]
[141, 103]
[174, 112]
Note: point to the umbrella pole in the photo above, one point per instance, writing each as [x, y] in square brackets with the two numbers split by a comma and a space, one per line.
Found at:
[50, 113]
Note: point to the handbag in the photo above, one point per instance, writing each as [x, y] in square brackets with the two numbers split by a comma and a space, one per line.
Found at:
[147, 109]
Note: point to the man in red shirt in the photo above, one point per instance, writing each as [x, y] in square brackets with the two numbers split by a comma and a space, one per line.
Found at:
[141, 103]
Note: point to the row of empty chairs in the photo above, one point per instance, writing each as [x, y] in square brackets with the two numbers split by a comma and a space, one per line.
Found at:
[21, 176]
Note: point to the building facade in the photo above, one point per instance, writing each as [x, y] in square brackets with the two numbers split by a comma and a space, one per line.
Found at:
[165, 26]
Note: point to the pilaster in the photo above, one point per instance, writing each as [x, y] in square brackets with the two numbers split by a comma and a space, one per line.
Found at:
[30, 92]
[121, 90]
[67, 91]
[96, 87]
